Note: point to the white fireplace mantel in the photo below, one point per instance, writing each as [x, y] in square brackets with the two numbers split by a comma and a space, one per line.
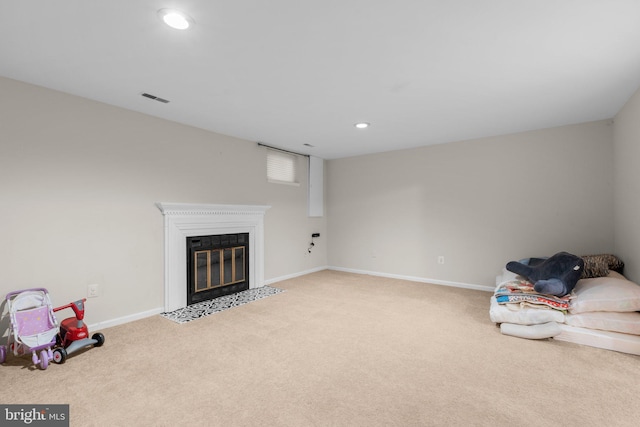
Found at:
[182, 220]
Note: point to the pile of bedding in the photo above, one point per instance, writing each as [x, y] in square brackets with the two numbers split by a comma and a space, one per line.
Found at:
[602, 311]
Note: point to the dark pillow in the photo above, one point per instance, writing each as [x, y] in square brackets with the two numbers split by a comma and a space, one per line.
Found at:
[615, 263]
[596, 261]
[594, 267]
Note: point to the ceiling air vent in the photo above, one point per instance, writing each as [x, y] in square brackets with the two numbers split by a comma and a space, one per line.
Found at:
[156, 98]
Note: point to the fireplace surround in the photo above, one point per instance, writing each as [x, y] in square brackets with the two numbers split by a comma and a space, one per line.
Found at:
[182, 220]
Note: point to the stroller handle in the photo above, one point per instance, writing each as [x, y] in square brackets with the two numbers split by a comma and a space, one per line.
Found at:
[14, 293]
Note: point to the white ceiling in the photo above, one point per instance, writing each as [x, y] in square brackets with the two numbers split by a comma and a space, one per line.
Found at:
[295, 72]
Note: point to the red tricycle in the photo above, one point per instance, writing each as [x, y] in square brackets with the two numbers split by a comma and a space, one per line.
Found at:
[74, 334]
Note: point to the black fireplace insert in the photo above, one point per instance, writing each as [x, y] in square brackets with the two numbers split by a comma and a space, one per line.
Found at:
[217, 265]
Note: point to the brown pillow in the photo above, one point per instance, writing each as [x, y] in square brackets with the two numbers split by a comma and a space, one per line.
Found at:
[594, 267]
[596, 261]
[615, 263]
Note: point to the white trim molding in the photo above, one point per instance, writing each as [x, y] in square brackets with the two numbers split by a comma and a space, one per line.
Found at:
[417, 279]
[294, 275]
[182, 220]
[125, 319]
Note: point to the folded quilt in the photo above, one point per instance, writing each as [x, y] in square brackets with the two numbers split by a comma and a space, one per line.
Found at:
[522, 291]
[522, 314]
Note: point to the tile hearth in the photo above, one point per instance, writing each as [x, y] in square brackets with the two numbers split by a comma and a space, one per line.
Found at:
[205, 308]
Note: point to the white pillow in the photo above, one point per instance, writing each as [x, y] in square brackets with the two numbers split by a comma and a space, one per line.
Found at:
[611, 293]
[532, 332]
[627, 323]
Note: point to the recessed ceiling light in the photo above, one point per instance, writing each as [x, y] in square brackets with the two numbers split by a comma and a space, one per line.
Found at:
[175, 19]
[362, 125]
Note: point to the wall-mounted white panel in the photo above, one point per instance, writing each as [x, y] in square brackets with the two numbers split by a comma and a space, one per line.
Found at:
[316, 189]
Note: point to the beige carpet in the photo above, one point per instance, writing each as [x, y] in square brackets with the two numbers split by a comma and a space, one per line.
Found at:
[336, 349]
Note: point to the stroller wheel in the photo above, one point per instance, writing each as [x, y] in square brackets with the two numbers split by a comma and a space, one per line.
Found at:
[99, 339]
[44, 359]
[3, 353]
[59, 355]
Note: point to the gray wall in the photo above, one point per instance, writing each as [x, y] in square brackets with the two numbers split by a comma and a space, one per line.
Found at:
[627, 186]
[79, 181]
[478, 203]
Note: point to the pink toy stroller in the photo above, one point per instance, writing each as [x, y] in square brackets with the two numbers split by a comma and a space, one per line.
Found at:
[33, 326]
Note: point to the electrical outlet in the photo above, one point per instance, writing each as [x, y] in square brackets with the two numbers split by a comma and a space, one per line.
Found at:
[93, 290]
[441, 259]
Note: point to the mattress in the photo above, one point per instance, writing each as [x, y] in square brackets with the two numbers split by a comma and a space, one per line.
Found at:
[624, 343]
[614, 309]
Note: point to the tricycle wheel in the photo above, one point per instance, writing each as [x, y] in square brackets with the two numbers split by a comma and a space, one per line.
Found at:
[44, 359]
[59, 355]
[3, 353]
[99, 339]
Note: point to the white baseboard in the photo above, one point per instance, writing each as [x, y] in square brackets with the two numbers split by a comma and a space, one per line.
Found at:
[291, 276]
[417, 279]
[137, 316]
[125, 319]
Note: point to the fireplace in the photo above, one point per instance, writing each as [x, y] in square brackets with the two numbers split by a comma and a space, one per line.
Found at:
[217, 265]
[185, 220]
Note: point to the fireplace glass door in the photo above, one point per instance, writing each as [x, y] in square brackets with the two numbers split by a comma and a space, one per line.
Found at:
[217, 265]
